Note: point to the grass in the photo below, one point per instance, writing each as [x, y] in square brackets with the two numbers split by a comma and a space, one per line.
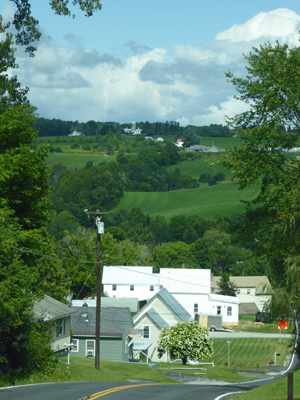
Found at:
[75, 160]
[83, 370]
[206, 201]
[275, 391]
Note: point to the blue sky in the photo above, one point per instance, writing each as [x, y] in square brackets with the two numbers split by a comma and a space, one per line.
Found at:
[157, 60]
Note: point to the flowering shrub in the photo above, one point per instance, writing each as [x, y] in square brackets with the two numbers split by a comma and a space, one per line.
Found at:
[186, 339]
[271, 362]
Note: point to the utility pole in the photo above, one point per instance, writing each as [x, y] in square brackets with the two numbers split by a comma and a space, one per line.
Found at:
[100, 230]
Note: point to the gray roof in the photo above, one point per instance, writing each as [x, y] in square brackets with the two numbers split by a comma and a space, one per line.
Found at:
[49, 309]
[174, 305]
[114, 321]
[132, 303]
[157, 318]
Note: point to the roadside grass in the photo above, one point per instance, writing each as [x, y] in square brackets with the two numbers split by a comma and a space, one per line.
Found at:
[83, 370]
[276, 391]
[249, 353]
[205, 201]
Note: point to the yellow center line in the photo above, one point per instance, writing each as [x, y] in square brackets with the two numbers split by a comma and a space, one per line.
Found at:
[116, 389]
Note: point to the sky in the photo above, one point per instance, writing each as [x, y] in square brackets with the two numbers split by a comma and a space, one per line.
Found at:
[141, 60]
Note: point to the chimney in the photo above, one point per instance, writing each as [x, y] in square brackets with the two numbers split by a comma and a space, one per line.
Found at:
[84, 311]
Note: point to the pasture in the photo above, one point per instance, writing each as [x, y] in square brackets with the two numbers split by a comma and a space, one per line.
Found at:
[206, 201]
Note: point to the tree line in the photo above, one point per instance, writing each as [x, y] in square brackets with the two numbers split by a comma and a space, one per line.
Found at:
[58, 127]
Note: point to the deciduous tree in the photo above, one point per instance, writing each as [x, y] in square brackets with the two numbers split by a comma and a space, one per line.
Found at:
[186, 339]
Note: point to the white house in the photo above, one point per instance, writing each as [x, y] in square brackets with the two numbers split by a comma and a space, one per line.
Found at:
[140, 282]
[163, 310]
[249, 289]
[190, 287]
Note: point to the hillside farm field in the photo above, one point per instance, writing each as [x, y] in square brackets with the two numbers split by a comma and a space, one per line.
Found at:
[206, 201]
[77, 159]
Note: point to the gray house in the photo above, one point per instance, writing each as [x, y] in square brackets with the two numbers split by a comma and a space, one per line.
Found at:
[59, 314]
[115, 323]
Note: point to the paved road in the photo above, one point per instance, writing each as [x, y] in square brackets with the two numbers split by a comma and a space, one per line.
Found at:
[245, 335]
[116, 391]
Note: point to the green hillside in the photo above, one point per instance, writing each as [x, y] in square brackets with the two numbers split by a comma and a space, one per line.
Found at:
[207, 201]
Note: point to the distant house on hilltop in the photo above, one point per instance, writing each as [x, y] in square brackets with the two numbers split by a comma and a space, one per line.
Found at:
[76, 133]
[197, 148]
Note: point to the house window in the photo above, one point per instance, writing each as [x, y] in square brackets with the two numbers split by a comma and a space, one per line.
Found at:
[229, 311]
[90, 348]
[218, 310]
[114, 287]
[146, 332]
[238, 291]
[248, 291]
[75, 347]
[151, 288]
[262, 303]
[196, 307]
[60, 327]
[131, 287]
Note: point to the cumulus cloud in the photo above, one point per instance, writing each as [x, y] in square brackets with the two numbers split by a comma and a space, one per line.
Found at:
[187, 85]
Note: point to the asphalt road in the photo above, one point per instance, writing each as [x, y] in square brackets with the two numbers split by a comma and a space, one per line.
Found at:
[117, 391]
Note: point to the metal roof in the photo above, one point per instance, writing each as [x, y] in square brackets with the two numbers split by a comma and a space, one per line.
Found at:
[141, 346]
[174, 305]
[156, 318]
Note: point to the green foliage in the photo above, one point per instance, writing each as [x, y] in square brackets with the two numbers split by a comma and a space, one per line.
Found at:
[186, 339]
[27, 26]
[267, 131]
[225, 286]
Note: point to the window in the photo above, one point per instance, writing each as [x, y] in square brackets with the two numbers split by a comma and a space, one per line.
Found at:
[75, 347]
[196, 307]
[238, 291]
[114, 287]
[229, 310]
[60, 327]
[248, 291]
[151, 288]
[218, 310]
[90, 348]
[262, 303]
[146, 332]
[131, 287]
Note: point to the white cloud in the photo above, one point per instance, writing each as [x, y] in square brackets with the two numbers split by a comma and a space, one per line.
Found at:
[281, 23]
[188, 85]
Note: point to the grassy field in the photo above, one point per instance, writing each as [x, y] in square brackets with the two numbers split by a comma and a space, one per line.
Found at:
[207, 201]
[203, 165]
[75, 160]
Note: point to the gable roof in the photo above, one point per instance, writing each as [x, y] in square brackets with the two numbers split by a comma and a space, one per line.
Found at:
[155, 317]
[174, 306]
[49, 309]
[261, 283]
[113, 321]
